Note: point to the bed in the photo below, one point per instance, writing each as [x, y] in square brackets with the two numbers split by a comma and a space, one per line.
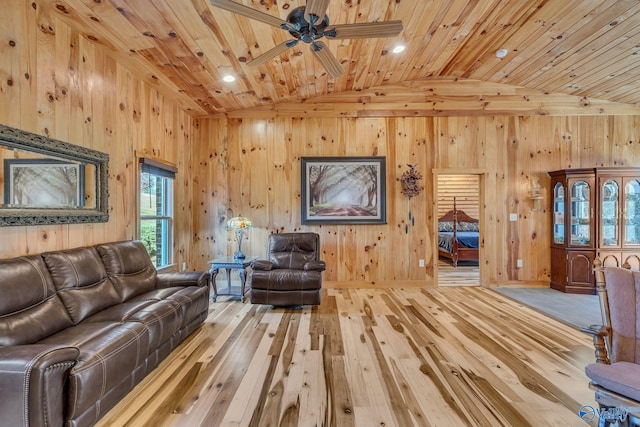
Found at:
[458, 236]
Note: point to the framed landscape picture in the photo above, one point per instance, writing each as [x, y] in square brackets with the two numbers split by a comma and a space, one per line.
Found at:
[43, 183]
[343, 190]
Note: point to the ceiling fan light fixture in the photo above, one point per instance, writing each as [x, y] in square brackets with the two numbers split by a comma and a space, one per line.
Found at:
[309, 24]
[399, 48]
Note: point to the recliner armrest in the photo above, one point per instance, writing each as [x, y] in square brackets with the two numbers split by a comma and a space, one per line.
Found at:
[262, 264]
[315, 266]
[599, 334]
[33, 383]
[182, 278]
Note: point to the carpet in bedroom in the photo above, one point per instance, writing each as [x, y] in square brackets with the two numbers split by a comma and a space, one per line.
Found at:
[573, 309]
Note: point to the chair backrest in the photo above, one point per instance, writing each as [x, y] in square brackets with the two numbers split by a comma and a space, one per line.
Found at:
[619, 291]
[293, 250]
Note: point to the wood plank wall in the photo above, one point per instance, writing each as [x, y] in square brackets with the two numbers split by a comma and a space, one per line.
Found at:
[54, 82]
[252, 166]
[466, 191]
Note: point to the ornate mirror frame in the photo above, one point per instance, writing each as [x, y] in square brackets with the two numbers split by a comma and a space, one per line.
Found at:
[29, 142]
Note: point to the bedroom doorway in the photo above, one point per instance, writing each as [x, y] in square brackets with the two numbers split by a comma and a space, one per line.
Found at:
[459, 265]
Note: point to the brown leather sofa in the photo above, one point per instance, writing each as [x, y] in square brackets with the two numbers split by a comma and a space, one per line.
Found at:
[79, 328]
[292, 274]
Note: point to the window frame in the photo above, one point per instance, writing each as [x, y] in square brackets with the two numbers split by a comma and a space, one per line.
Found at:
[167, 173]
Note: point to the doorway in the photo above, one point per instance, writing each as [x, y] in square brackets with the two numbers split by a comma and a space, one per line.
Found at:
[462, 192]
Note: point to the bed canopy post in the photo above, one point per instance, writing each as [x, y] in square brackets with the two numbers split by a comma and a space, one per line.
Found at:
[455, 234]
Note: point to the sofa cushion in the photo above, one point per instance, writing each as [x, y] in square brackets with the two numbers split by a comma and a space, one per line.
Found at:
[162, 318]
[192, 300]
[286, 280]
[129, 267]
[120, 312]
[81, 281]
[620, 377]
[30, 309]
[109, 353]
[292, 250]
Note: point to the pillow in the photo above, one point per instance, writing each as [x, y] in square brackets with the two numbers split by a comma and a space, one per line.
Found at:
[468, 226]
[445, 226]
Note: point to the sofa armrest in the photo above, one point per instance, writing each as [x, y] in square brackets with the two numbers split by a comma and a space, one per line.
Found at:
[183, 278]
[599, 334]
[315, 266]
[33, 383]
[262, 264]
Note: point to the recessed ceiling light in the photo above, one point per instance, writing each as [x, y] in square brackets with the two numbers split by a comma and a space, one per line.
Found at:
[229, 78]
[501, 53]
[398, 49]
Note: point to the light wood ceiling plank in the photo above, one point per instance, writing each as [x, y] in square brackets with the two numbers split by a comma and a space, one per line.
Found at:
[468, 29]
[538, 34]
[569, 36]
[614, 52]
[109, 21]
[492, 31]
[430, 38]
[183, 47]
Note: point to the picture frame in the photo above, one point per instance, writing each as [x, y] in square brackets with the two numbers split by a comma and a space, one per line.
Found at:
[43, 183]
[343, 190]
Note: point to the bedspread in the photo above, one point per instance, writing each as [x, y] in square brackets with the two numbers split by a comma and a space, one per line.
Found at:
[469, 239]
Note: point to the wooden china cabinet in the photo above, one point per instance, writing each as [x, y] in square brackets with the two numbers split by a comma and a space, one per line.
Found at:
[619, 218]
[595, 212]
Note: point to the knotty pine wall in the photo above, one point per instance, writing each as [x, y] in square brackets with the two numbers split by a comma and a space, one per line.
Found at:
[54, 82]
[252, 166]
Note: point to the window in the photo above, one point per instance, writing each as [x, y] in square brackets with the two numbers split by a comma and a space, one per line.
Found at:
[156, 210]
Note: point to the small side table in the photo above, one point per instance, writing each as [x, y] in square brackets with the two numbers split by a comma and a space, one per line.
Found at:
[229, 263]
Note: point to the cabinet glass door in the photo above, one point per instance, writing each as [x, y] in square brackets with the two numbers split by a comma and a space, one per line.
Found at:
[609, 214]
[632, 213]
[580, 212]
[558, 214]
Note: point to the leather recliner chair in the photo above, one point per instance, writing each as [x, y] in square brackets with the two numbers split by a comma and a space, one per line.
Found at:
[292, 274]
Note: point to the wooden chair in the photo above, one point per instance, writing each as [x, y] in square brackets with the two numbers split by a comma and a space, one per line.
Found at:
[615, 377]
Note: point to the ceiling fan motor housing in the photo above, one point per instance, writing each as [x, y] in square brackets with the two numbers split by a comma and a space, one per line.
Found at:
[301, 29]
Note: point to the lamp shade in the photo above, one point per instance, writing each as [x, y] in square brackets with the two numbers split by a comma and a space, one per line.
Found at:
[239, 223]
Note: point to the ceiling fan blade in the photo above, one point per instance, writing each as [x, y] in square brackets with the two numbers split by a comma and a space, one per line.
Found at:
[326, 58]
[249, 12]
[364, 30]
[317, 8]
[272, 53]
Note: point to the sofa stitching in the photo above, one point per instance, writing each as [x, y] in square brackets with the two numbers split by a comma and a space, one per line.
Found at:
[39, 271]
[75, 270]
[44, 401]
[106, 356]
[27, 378]
[29, 307]
[119, 256]
[75, 397]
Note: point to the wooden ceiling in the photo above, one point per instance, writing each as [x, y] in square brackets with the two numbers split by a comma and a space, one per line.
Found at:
[589, 49]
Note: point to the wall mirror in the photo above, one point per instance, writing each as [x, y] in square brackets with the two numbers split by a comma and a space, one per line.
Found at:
[46, 181]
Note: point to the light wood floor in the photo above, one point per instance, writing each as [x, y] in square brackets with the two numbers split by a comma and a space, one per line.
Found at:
[374, 357]
[467, 273]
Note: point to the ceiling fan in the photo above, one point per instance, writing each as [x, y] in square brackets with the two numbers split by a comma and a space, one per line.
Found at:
[309, 24]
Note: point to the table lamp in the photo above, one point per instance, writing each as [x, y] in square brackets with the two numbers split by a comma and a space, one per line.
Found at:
[239, 224]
